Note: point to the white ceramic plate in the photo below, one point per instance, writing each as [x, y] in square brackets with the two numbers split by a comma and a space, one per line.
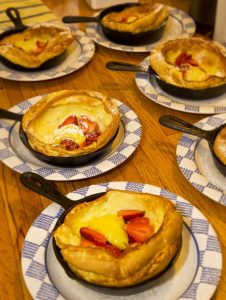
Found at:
[196, 163]
[150, 88]
[16, 156]
[194, 275]
[77, 55]
[179, 24]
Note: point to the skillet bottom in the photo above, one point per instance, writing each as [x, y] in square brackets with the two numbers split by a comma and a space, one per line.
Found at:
[191, 94]
[49, 64]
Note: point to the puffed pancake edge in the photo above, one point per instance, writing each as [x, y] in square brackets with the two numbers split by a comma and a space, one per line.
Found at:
[57, 98]
[137, 264]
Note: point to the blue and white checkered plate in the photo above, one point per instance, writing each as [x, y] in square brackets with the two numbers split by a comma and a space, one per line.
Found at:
[196, 163]
[17, 157]
[179, 24]
[77, 55]
[150, 88]
[194, 275]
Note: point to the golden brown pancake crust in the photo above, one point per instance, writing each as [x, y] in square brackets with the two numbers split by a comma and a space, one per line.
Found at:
[137, 264]
[207, 68]
[36, 45]
[137, 18]
[41, 122]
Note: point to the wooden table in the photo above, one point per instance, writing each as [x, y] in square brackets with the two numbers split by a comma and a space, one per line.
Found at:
[153, 162]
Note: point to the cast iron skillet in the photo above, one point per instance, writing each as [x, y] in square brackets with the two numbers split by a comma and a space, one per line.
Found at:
[191, 94]
[119, 37]
[57, 160]
[14, 15]
[209, 135]
[46, 188]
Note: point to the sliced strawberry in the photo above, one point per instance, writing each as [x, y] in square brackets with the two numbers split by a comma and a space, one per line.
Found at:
[143, 220]
[93, 236]
[185, 58]
[192, 62]
[39, 47]
[41, 44]
[69, 144]
[181, 58]
[87, 125]
[113, 250]
[128, 215]
[139, 231]
[124, 20]
[87, 143]
[92, 136]
[109, 247]
[70, 120]
[87, 243]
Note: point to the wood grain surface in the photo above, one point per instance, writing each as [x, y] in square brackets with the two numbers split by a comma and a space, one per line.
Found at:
[153, 162]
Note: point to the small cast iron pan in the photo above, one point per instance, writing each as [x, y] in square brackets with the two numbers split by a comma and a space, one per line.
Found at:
[186, 93]
[209, 135]
[57, 160]
[14, 15]
[46, 188]
[120, 37]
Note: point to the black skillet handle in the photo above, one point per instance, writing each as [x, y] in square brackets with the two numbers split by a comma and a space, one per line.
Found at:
[122, 66]
[78, 19]
[6, 114]
[14, 16]
[181, 125]
[45, 188]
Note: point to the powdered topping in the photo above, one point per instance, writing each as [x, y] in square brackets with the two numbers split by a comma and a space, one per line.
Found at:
[71, 131]
[76, 132]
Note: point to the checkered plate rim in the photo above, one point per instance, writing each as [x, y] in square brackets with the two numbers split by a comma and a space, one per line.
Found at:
[145, 86]
[187, 23]
[87, 52]
[130, 142]
[186, 151]
[206, 279]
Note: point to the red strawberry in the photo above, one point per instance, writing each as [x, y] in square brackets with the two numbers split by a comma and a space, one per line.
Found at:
[192, 62]
[143, 220]
[185, 58]
[93, 236]
[39, 47]
[181, 58]
[69, 144]
[127, 215]
[87, 125]
[92, 136]
[139, 230]
[87, 143]
[70, 120]
[124, 19]
[109, 247]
